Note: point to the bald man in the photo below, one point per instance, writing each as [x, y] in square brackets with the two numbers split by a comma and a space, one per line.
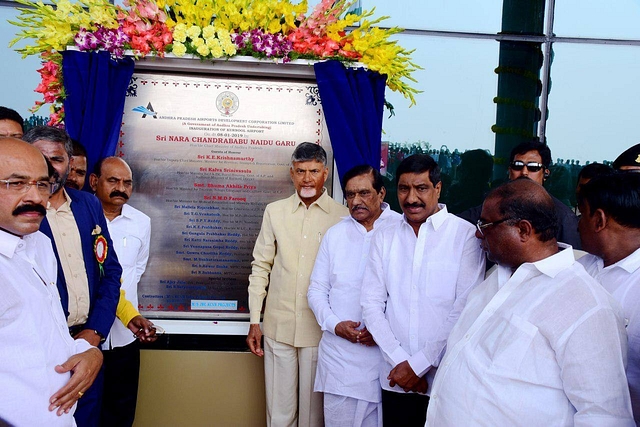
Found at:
[540, 342]
[43, 371]
[130, 230]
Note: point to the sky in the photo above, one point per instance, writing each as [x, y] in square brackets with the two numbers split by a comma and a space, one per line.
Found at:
[594, 99]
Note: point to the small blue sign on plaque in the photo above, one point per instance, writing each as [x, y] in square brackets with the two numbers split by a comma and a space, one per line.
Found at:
[199, 304]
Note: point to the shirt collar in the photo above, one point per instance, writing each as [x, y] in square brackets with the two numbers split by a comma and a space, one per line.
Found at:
[554, 264]
[66, 206]
[436, 220]
[9, 243]
[126, 212]
[323, 201]
[630, 264]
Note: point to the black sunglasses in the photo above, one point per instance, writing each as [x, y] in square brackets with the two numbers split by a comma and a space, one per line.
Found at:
[518, 165]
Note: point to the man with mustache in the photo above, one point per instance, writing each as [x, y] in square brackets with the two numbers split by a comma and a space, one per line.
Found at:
[88, 269]
[43, 371]
[415, 286]
[348, 358]
[78, 167]
[539, 342]
[130, 230]
[283, 258]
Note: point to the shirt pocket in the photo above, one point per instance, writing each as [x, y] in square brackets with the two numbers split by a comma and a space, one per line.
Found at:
[507, 343]
[128, 250]
[441, 280]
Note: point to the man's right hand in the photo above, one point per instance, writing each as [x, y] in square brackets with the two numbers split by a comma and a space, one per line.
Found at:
[254, 339]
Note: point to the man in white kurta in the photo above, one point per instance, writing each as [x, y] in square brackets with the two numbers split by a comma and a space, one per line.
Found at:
[539, 342]
[130, 231]
[610, 226]
[348, 359]
[415, 286]
[37, 354]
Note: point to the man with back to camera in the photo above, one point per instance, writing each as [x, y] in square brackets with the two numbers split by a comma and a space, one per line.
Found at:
[629, 160]
[532, 159]
[348, 359]
[539, 342]
[43, 371]
[283, 258]
[130, 229]
[416, 283]
[78, 167]
[88, 269]
[11, 123]
[610, 231]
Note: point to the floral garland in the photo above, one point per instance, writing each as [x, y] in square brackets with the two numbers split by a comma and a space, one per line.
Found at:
[209, 29]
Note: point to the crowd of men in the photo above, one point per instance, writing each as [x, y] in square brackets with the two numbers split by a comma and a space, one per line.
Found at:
[411, 327]
[70, 264]
[369, 318]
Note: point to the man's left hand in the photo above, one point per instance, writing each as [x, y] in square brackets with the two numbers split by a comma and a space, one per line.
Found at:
[143, 329]
[90, 336]
[84, 368]
[404, 376]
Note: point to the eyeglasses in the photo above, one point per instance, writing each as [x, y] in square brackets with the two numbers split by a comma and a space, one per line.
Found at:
[364, 194]
[518, 165]
[482, 225]
[45, 188]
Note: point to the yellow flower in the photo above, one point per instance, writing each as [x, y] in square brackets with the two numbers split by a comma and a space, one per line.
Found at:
[197, 42]
[180, 27]
[179, 49]
[217, 51]
[203, 50]
[208, 32]
[180, 36]
[212, 42]
[193, 32]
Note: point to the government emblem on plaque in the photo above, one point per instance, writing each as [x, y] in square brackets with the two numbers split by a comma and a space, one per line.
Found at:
[227, 103]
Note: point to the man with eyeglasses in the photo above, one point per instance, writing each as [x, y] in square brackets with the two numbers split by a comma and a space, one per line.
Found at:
[11, 123]
[415, 285]
[130, 229]
[43, 371]
[88, 269]
[610, 231]
[539, 342]
[283, 258]
[348, 358]
[531, 159]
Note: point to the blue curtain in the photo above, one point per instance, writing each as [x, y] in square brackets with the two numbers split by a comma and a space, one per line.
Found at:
[353, 104]
[95, 86]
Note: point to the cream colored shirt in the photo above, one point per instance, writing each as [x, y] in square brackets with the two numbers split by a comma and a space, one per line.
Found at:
[67, 238]
[283, 259]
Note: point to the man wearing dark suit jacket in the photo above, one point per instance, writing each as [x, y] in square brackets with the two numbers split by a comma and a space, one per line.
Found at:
[88, 270]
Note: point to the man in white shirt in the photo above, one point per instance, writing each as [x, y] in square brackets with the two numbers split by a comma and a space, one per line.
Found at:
[419, 274]
[43, 371]
[130, 231]
[348, 358]
[539, 342]
[610, 229]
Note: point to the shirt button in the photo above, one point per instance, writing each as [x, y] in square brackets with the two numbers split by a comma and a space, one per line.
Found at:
[466, 337]
[64, 234]
[299, 314]
[299, 295]
[302, 256]
[69, 255]
[305, 237]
